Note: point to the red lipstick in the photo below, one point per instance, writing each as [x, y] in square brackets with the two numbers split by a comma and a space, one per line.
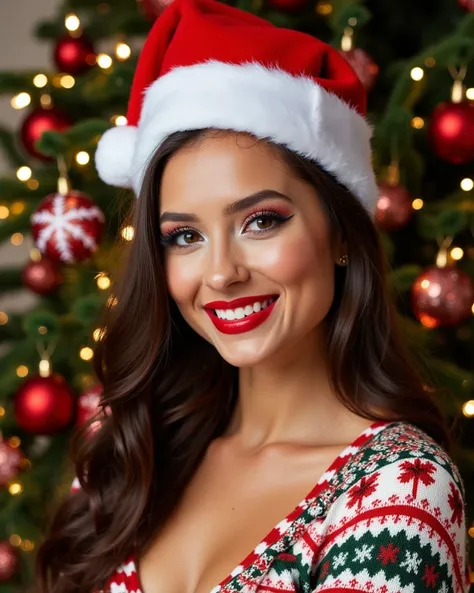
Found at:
[238, 326]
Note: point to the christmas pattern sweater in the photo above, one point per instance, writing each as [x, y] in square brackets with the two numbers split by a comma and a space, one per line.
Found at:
[388, 516]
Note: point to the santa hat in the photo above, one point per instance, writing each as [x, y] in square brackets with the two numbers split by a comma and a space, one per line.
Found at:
[209, 65]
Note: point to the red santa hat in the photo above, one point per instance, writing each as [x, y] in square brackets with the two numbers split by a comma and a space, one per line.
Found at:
[209, 65]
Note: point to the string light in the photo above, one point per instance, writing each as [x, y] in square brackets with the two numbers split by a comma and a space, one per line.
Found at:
[112, 301]
[21, 100]
[32, 184]
[72, 22]
[457, 253]
[46, 101]
[417, 123]
[22, 371]
[103, 281]
[17, 207]
[417, 204]
[24, 173]
[27, 545]
[119, 120]
[14, 442]
[86, 353]
[15, 540]
[35, 254]
[15, 488]
[40, 81]
[82, 158]
[467, 184]
[468, 408]
[67, 81]
[104, 61]
[128, 233]
[2, 411]
[98, 334]
[3, 318]
[123, 51]
[324, 8]
[417, 73]
[430, 62]
[4, 212]
[17, 239]
[43, 330]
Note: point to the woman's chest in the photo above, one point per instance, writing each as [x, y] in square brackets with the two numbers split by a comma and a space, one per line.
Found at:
[225, 515]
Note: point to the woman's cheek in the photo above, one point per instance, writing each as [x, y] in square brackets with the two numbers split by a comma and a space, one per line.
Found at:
[180, 279]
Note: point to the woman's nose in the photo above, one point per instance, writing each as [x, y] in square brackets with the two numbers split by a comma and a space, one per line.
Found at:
[224, 266]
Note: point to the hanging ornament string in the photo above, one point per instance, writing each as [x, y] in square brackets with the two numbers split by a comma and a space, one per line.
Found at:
[45, 353]
[457, 91]
[442, 258]
[64, 185]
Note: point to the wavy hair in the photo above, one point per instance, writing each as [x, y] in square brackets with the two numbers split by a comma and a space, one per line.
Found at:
[171, 393]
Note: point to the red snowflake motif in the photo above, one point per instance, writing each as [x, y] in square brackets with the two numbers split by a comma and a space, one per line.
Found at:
[430, 577]
[456, 505]
[325, 570]
[388, 554]
[417, 471]
[366, 487]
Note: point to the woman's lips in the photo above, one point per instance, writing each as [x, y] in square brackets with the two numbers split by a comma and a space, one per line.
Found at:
[247, 323]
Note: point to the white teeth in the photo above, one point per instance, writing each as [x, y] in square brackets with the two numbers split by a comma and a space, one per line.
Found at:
[241, 312]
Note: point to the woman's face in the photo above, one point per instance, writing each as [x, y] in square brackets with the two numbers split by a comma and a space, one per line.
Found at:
[248, 253]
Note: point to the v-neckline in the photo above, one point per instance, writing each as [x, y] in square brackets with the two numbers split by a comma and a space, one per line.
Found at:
[282, 528]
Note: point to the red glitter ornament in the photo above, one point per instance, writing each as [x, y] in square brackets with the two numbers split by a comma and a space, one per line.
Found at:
[11, 459]
[442, 296]
[68, 228]
[42, 277]
[467, 5]
[9, 561]
[452, 132]
[37, 122]
[74, 55]
[44, 405]
[394, 207]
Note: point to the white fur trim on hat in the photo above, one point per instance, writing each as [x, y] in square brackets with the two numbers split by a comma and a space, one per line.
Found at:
[114, 155]
[267, 102]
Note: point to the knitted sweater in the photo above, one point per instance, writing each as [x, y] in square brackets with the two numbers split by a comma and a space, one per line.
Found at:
[388, 516]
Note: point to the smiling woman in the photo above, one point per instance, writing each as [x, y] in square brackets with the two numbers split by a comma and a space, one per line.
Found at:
[268, 430]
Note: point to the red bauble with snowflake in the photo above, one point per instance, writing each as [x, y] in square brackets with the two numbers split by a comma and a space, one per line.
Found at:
[37, 122]
[42, 277]
[442, 296]
[9, 561]
[467, 5]
[68, 228]
[452, 132]
[153, 8]
[74, 55]
[88, 406]
[44, 405]
[11, 461]
[363, 65]
[394, 207]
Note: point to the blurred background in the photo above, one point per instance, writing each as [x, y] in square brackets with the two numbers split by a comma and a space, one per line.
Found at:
[65, 73]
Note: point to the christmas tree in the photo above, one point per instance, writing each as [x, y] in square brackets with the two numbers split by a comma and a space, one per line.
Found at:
[415, 60]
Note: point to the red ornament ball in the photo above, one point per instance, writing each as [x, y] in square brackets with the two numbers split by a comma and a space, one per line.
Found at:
[74, 55]
[442, 296]
[11, 459]
[467, 5]
[42, 277]
[37, 122]
[153, 8]
[288, 5]
[9, 561]
[88, 406]
[44, 405]
[452, 132]
[394, 207]
[363, 65]
[68, 228]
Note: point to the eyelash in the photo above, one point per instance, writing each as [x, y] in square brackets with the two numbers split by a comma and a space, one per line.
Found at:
[168, 239]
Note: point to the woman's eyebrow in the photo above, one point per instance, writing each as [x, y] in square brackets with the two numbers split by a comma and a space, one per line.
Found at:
[229, 209]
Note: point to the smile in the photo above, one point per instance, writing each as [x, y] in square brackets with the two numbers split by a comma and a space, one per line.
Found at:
[240, 315]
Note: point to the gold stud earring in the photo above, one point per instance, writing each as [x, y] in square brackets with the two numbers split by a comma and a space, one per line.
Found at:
[343, 260]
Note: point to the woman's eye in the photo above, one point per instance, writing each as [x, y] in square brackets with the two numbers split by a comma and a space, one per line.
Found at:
[186, 238]
[263, 221]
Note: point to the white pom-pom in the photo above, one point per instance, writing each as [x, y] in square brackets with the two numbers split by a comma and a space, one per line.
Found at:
[114, 155]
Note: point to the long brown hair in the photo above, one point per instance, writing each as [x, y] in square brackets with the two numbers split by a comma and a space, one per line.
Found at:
[170, 392]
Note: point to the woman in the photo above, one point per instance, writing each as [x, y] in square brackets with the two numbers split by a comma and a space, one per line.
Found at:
[267, 430]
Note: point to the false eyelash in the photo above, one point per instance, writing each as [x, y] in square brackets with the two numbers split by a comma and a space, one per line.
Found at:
[272, 214]
[167, 238]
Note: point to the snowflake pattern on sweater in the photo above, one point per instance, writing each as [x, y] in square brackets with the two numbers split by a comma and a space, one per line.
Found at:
[387, 517]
